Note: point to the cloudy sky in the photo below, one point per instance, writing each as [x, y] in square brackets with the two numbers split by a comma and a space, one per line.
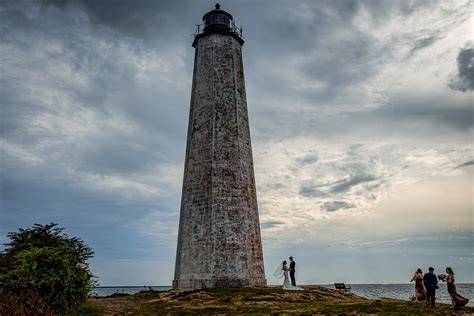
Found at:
[361, 115]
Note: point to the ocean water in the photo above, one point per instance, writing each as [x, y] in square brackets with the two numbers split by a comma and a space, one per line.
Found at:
[406, 291]
[373, 291]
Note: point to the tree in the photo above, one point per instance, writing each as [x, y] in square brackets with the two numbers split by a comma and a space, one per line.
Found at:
[43, 271]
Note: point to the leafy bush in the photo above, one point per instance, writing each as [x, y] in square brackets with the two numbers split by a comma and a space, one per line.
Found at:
[43, 271]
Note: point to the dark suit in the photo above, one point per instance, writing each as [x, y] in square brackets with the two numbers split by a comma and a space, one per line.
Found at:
[292, 273]
[431, 284]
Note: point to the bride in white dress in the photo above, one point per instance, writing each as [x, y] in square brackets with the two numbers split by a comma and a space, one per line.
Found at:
[282, 271]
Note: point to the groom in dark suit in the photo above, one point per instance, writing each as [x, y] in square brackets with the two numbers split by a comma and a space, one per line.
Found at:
[431, 284]
[292, 271]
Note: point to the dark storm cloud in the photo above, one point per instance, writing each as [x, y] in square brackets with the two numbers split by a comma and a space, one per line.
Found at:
[347, 184]
[357, 173]
[309, 29]
[143, 18]
[410, 113]
[82, 129]
[101, 82]
[423, 43]
[12, 18]
[465, 77]
[311, 191]
[458, 116]
[325, 37]
[466, 164]
[332, 70]
[336, 205]
[271, 224]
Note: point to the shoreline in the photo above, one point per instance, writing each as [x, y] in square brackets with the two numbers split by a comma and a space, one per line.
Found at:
[398, 291]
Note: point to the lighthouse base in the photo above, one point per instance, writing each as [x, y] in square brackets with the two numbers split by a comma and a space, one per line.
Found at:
[217, 283]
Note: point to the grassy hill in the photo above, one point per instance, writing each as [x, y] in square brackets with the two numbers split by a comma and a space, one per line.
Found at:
[257, 301]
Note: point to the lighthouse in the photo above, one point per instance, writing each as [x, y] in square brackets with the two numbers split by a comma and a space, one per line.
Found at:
[219, 241]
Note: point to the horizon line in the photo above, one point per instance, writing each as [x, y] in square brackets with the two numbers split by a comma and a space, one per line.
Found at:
[130, 286]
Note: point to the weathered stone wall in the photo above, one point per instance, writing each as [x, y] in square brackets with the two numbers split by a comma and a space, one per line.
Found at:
[219, 243]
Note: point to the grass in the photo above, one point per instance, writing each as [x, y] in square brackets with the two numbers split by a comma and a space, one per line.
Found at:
[91, 308]
[259, 301]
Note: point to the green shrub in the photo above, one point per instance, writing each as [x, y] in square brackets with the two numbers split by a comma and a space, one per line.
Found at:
[43, 271]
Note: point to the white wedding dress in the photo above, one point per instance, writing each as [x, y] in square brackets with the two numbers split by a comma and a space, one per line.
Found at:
[287, 284]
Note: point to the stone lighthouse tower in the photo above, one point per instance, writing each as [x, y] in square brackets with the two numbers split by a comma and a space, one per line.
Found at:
[219, 243]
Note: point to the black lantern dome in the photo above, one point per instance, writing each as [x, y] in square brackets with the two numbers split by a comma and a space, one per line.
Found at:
[218, 21]
[217, 18]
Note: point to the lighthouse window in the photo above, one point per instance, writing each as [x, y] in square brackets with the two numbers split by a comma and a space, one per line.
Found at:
[210, 20]
[218, 19]
[222, 19]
